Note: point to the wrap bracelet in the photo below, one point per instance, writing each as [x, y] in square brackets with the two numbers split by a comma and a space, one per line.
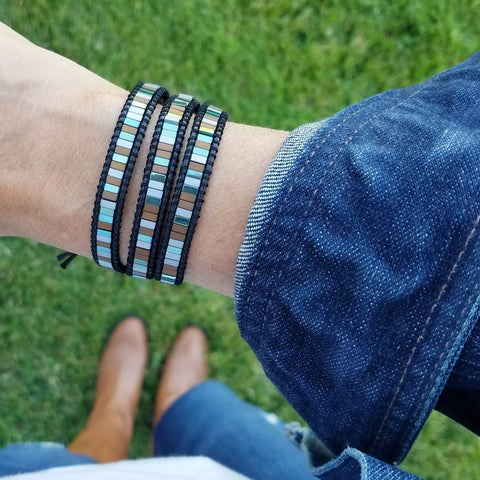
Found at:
[119, 163]
[189, 193]
[164, 222]
[157, 182]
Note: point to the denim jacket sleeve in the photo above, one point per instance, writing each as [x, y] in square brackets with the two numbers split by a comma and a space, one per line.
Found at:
[358, 280]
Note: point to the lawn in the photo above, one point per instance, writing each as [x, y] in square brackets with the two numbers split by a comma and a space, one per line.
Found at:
[270, 63]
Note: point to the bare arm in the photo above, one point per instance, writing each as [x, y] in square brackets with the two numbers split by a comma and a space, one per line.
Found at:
[56, 123]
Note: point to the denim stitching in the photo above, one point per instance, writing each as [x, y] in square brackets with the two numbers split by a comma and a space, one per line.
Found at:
[274, 221]
[447, 343]
[287, 256]
[421, 336]
[333, 130]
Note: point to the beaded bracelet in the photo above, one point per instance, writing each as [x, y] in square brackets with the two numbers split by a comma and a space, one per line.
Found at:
[157, 183]
[119, 163]
[189, 192]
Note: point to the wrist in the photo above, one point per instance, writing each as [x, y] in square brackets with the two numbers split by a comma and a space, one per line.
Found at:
[53, 148]
[52, 161]
[243, 158]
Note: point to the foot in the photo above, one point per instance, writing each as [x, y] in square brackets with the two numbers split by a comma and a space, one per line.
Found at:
[185, 367]
[109, 429]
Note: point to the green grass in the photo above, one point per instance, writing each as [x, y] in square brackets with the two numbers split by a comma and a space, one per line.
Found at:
[272, 63]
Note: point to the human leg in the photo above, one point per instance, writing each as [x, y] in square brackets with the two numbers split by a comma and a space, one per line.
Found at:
[107, 434]
[207, 418]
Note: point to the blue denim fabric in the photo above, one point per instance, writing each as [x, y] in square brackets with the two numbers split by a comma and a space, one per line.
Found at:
[357, 282]
[35, 456]
[210, 420]
[352, 464]
[460, 398]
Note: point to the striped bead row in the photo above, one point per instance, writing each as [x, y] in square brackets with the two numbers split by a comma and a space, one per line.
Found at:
[161, 165]
[164, 222]
[118, 165]
[190, 189]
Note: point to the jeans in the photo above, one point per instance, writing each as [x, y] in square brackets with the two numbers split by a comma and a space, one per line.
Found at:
[209, 420]
[35, 456]
[357, 283]
[212, 421]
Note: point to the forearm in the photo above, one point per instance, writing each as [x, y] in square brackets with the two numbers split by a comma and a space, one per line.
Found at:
[244, 156]
[53, 146]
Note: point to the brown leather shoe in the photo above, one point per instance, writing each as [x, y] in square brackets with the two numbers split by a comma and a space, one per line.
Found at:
[185, 366]
[108, 433]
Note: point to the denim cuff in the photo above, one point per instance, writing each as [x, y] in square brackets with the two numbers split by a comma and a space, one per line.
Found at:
[353, 464]
[357, 283]
[268, 195]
